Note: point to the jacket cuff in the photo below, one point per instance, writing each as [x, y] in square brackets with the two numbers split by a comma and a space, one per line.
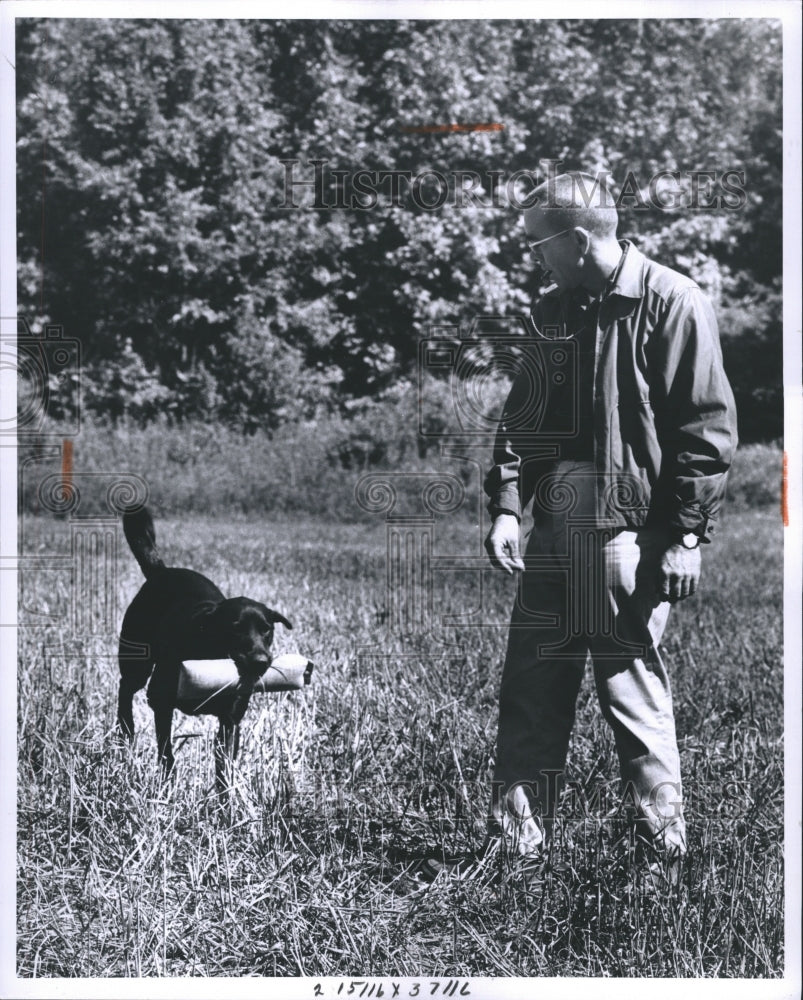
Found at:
[505, 501]
[690, 519]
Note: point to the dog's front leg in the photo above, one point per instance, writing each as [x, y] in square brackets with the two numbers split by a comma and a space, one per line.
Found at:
[227, 744]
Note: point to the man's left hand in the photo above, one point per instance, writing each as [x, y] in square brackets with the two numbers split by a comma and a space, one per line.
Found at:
[679, 573]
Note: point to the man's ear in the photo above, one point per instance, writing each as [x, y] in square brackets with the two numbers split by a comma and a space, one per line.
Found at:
[276, 617]
[582, 238]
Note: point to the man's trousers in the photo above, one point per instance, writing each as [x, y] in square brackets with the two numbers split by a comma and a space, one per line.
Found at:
[586, 590]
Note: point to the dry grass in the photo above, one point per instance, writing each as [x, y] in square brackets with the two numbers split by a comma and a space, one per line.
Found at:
[339, 789]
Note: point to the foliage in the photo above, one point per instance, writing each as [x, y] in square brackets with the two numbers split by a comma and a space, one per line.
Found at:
[752, 339]
[151, 186]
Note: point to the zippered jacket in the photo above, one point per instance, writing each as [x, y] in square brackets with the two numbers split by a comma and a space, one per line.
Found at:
[664, 420]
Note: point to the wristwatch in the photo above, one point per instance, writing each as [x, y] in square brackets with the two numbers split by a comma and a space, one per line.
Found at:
[689, 540]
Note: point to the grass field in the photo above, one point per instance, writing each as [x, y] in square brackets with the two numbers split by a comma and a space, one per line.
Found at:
[340, 788]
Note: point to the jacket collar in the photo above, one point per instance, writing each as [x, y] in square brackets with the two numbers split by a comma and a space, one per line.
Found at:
[628, 280]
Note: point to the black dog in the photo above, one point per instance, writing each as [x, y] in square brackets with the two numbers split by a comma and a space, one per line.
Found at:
[180, 615]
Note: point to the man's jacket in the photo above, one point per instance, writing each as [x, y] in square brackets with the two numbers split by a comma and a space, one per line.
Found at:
[664, 420]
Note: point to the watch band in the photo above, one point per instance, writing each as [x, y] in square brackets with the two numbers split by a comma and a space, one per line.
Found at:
[505, 510]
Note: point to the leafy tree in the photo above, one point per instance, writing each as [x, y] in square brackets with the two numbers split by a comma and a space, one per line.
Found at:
[151, 184]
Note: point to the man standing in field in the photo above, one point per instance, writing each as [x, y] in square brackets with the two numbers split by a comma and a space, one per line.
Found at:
[622, 435]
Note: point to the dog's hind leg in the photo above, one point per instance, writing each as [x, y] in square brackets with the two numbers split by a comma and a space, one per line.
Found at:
[134, 673]
[163, 717]
[162, 699]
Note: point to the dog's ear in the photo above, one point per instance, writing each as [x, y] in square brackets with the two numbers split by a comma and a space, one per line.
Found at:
[276, 617]
[205, 613]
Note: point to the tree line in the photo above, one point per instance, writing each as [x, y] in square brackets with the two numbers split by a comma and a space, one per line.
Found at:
[257, 222]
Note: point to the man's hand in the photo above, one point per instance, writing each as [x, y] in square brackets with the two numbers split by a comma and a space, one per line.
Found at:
[679, 573]
[502, 543]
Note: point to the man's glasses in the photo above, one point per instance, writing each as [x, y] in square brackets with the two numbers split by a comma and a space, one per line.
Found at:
[535, 244]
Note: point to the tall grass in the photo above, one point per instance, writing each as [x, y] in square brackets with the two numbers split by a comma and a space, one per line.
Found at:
[306, 468]
[310, 868]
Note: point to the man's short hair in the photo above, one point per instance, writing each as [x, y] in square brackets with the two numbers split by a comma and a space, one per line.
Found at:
[576, 199]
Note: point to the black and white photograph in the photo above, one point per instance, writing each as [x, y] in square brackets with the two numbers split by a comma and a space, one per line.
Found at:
[400, 523]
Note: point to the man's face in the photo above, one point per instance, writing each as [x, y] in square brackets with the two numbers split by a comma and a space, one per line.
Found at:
[559, 257]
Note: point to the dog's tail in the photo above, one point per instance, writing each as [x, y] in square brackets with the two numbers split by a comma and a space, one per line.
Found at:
[140, 535]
